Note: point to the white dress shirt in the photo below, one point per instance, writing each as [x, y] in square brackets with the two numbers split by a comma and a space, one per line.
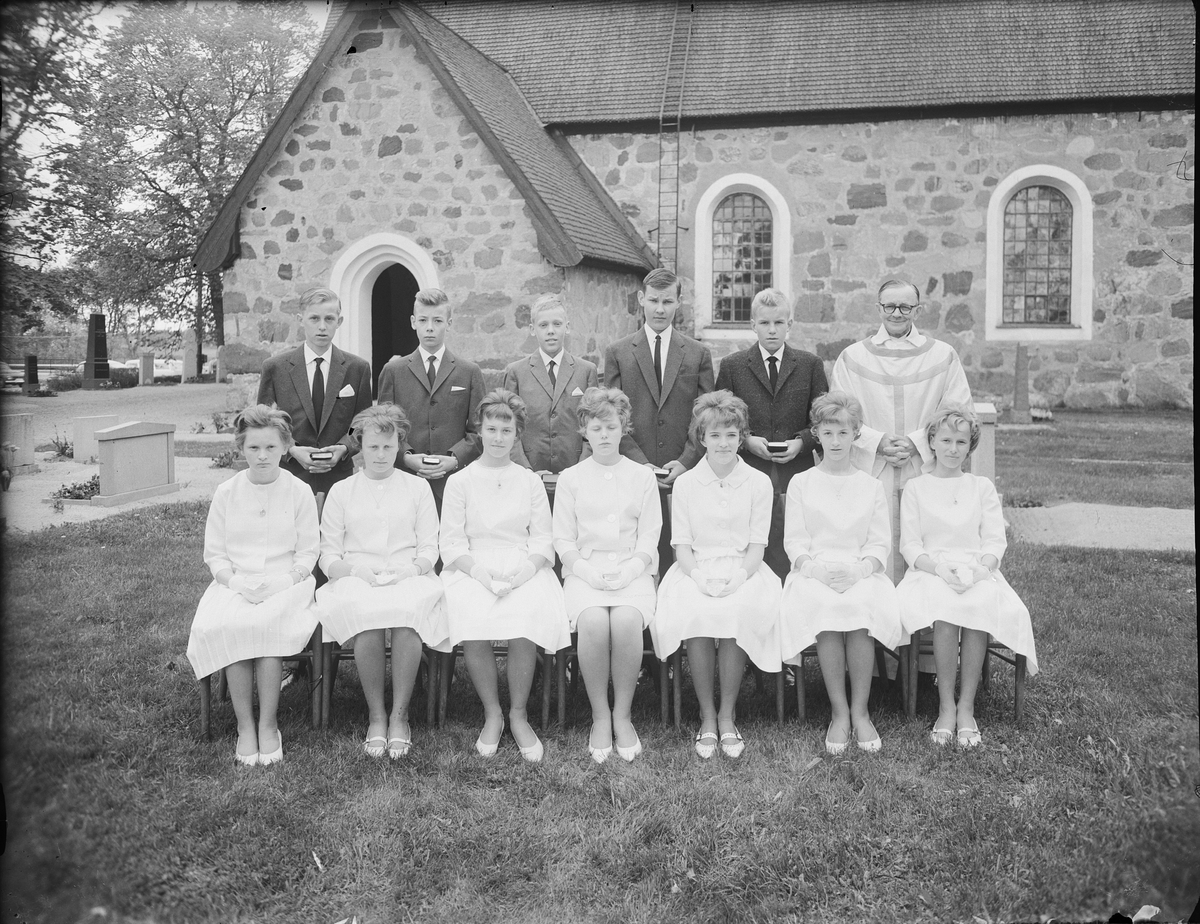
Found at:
[666, 345]
[310, 364]
[437, 359]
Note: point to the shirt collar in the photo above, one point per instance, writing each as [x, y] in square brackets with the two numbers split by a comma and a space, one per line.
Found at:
[546, 358]
[914, 336]
[425, 354]
[706, 476]
[651, 333]
[778, 354]
[310, 354]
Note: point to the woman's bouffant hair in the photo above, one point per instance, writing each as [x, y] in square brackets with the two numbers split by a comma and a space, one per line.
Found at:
[502, 404]
[954, 414]
[260, 417]
[720, 409]
[386, 418]
[600, 402]
[833, 406]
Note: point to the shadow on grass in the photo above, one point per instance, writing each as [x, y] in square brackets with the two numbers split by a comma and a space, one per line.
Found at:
[1085, 809]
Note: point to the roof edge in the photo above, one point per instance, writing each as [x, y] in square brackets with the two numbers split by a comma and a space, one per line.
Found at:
[219, 246]
[553, 241]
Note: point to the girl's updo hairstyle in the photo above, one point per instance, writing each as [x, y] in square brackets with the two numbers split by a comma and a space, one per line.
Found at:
[502, 404]
[720, 409]
[602, 402]
[260, 417]
[833, 407]
[386, 418]
[954, 414]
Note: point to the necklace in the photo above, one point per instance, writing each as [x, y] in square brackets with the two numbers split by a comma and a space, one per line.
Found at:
[260, 498]
[845, 481]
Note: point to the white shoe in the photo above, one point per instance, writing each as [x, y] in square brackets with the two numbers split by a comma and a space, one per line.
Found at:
[534, 752]
[275, 757]
[732, 744]
[628, 754]
[488, 750]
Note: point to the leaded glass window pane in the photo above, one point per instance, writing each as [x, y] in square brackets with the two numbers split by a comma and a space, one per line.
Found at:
[1037, 257]
[742, 255]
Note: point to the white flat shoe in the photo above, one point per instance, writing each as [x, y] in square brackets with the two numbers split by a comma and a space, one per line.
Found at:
[488, 750]
[732, 744]
[375, 750]
[398, 747]
[275, 757]
[533, 753]
[630, 753]
[600, 755]
[969, 737]
[706, 744]
[837, 750]
[246, 760]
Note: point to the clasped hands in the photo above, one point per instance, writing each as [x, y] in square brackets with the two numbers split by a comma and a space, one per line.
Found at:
[502, 583]
[896, 450]
[382, 578]
[431, 471]
[961, 576]
[258, 587]
[758, 446]
[303, 455]
[712, 585]
[622, 576]
[838, 576]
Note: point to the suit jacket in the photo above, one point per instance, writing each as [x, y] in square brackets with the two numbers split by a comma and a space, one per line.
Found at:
[551, 439]
[441, 419]
[284, 382]
[782, 415]
[661, 420]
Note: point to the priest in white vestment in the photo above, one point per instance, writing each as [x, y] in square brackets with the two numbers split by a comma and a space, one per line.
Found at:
[901, 377]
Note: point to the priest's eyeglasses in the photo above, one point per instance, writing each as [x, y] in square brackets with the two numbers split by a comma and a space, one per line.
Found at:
[903, 310]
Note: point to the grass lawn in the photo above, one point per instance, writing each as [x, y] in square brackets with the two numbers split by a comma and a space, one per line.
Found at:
[1085, 809]
[1129, 458]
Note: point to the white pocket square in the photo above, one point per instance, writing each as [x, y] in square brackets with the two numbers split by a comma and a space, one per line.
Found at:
[346, 392]
[458, 388]
[577, 392]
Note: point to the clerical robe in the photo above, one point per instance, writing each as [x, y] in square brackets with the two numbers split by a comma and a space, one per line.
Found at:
[900, 382]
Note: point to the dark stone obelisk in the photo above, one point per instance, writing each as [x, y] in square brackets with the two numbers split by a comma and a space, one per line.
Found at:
[95, 368]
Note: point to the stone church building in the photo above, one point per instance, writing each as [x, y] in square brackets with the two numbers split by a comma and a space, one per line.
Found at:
[1029, 165]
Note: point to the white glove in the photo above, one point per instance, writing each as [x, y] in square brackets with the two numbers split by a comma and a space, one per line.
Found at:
[590, 575]
[363, 573]
[980, 573]
[404, 572]
[274, 585]
[708, 585]
[483, 576]
[845, 575]
[524, 574]
[240, 584]
[954, 576]
[628, 573]
[815, 570]
[736, 580]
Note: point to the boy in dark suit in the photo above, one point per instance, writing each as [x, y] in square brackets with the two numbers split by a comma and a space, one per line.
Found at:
[551, 382]
[321, 387]
[778, 383]
[439, 393]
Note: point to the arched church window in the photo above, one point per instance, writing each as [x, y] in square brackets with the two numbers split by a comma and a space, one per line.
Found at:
[742, 255]
[1037, 257]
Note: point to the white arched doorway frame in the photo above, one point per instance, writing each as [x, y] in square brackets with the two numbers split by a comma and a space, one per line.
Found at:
[353, 277]
[781, 236]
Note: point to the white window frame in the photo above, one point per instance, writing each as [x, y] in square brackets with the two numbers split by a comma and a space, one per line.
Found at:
[1077, 193]
[781, 247]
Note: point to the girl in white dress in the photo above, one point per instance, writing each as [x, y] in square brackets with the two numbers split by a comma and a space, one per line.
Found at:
[607, 520]
[837, 536]
[498, 546]
[379, 543]
[718, 588]
[952, 536]
[260, 543]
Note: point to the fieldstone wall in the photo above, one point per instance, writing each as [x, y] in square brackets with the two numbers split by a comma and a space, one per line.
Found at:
[910, 198]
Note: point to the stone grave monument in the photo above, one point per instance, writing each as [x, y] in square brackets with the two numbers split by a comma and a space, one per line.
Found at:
[137, 460]
[95, 367]
[85, 444]
[146, 368]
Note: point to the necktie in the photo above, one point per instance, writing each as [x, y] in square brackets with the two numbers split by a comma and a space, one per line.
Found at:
[773, 371]
[658, 359]
[318, 393]
[550, 372]
[432, 371]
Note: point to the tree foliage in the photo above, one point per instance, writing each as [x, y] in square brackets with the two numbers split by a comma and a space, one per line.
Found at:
[182, 94]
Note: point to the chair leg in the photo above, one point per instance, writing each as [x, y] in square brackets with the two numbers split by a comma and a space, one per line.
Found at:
[880, 662]
[801, 705]
[986, 678]
[205, 707]
[1019, 688]
[547, 659]
[560, 669]
[445, 675]
[910, 695]
[677, 685]
[221, 691]
[326, 670]
[316, 690]
[779, 687]
[434, 663]
[664, 692]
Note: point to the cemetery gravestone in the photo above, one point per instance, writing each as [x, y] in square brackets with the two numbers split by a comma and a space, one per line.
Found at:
[86, 446]
[95, 367]
[137, 460]
[16, 430]
[146, 369]
[31, 385]
[190, 368]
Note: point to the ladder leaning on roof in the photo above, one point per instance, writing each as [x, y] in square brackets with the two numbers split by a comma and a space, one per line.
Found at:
[669, 116]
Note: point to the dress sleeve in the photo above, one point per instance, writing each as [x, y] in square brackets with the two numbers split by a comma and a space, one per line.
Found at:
[566, 527]
[797, 540]
[427, 522]
[879, 532]
[991, 527]
[333, 525]
[762, 499]
[912, 541]
[681, 521]
[454, 541]
[649, 525]
[308, 528]
[541, 527]
[216, 555]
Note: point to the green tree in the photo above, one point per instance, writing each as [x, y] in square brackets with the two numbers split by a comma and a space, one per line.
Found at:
[182, 95]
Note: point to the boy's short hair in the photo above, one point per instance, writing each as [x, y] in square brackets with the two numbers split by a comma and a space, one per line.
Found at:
[262, 417]
[600, 402]
[431, 298]
[386, 418]
[720, 409]
[502, 404]
[319, 295]
[954, 414]
[662, 279]
[831, 407]
[545, 303]
[770, 298]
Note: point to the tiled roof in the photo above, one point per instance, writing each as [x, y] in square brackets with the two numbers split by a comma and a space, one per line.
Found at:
[603, 60]
[566, 191]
